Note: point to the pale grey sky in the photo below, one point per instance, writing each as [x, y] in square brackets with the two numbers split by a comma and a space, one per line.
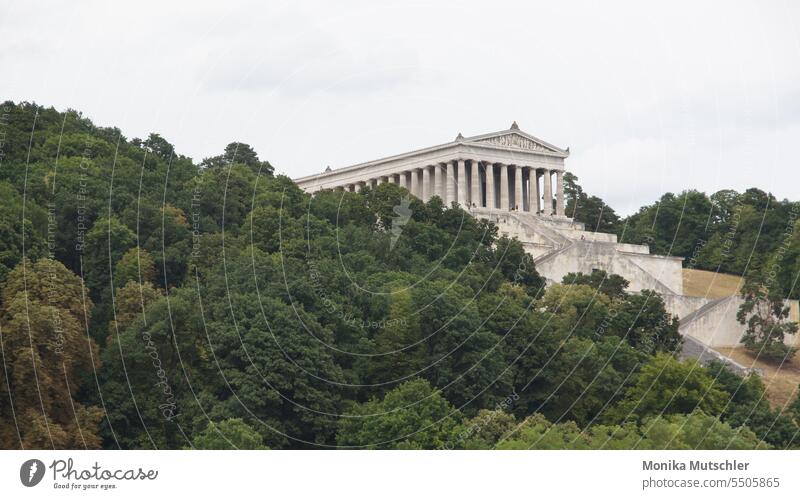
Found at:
[649, 98]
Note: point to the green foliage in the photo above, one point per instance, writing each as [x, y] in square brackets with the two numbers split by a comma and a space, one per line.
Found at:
[668, 386]
[20, 235]
[766, 314]
[726, 232]
[45, 354]
[230, 434]
[232, 308]
[641, 319]
[399, 341]
[106, 243]
[486, 429]
[143, 381]
[579, 381]
[224, 196]
[591, 210]
[645, 323]
[536, 432]
[577, 310]
[747, 406]
[674, 225]
[239, 153]
[412, 416]
[794, 409]
[697, 431]
[135, 265]
[130, 302]
[613, 286]
[680, 431]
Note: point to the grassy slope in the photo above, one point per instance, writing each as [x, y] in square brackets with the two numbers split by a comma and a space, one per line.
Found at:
[781, 380]
[710, 284]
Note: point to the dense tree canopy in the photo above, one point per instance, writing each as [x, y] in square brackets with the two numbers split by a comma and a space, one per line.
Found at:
[228, 434]
[161, 303]
[727, 232]
[591, 210]
[46, 352]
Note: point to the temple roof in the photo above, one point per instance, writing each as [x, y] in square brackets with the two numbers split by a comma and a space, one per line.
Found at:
[512, 139]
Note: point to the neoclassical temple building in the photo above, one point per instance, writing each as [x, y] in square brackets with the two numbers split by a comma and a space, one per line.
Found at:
[517, 181]
[507, 170]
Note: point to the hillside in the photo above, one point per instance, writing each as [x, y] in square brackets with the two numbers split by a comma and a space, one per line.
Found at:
[220, 300]
[781, 380]
[710, 284]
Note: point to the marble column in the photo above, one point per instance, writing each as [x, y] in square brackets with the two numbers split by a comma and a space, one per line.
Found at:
[504, 187]
[414, 189]
[427, 185]
[526, 189]
[548, 194]
[357, 187]
[437, 181]
[462, 183]
[403, 178]
[560, 202]
[538, 195]
[517, 188]
[475, 188]
[450, 181]
[490, 195]
[532, 190]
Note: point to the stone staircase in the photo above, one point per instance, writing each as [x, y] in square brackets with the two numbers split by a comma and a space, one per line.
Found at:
[708, 307]
[694, 349]
[555, 243]
[531, 225]
[660, 286]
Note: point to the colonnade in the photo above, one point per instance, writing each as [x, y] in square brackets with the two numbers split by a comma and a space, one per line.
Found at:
[481, 184]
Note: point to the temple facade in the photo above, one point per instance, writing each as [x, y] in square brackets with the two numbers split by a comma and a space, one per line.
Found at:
[508, 170]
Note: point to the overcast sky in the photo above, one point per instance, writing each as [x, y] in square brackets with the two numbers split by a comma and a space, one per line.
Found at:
[649, 99]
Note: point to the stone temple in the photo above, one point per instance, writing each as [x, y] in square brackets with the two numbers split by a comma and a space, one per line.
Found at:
[516, 180]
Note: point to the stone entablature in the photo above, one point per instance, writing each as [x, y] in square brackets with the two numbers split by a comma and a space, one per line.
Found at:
[507, 170]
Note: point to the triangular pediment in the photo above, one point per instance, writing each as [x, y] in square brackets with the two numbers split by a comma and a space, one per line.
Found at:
[515, 140]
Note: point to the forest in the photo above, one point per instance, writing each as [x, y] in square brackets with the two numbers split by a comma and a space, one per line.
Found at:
[151, 301]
